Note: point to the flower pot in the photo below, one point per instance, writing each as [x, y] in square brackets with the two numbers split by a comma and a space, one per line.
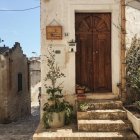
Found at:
[81, 97]
[57, 120]
[134, 120]
[80, 91]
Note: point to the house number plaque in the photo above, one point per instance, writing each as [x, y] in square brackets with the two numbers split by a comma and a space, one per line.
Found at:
[54, 32]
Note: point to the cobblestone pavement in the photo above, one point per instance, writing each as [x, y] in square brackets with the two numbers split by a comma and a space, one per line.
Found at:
[23, 129]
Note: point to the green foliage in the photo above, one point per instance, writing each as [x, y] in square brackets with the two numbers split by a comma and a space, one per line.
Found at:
[137, 105]
[68, 112]
[133, 65]
[54, 72]
[83, 106]
[61, 106]
[55, 93]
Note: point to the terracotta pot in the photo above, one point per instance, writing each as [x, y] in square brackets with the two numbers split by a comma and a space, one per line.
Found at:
[81, 96]
[80, 91]
[58, 120]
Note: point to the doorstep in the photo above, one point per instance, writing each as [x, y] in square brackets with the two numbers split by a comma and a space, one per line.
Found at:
[101, 96]
[71, 133]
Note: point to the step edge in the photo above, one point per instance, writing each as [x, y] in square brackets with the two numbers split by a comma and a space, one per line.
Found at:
[104, 111]
[103, 122]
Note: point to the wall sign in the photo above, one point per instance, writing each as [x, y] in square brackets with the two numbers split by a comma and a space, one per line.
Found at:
[54, 32]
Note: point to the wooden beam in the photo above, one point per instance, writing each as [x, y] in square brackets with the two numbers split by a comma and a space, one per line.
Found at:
[123, 50]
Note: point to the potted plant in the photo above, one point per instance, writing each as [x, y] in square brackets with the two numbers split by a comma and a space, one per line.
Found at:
[133, 71]
[57, 111]
[132, 104]
[80, 90]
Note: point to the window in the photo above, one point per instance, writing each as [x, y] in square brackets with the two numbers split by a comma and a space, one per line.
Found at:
[19, 82]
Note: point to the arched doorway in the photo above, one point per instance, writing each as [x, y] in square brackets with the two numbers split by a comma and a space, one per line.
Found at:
[93, 56]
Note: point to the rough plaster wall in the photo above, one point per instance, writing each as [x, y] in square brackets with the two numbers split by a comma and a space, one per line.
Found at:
[19, 103]
[132, 24]
[3, 88]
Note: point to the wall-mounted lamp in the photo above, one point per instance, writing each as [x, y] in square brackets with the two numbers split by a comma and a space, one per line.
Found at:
[72, 46]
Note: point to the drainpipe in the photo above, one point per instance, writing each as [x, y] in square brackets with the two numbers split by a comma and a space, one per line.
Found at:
[123, 50]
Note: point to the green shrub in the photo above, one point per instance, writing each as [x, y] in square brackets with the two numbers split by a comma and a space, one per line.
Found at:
[133, 67]
[55, 102]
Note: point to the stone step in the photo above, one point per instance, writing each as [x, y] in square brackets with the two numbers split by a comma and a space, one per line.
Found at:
[104, 125]
[102, 96]
[70, 132]
[85, 136]
[99, 105]
[102, 115]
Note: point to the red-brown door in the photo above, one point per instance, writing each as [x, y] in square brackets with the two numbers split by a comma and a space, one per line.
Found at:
[93, 56]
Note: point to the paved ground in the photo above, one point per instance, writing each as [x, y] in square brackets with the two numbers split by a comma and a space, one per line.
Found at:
[23, 129]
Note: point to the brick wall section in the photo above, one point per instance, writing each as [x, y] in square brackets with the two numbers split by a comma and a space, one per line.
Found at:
[15, 104]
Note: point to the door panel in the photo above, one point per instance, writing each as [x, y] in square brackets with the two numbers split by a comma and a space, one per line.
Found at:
[84, 57]
[93, 56]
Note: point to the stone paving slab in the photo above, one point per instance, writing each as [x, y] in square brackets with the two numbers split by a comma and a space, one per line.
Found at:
[16, 137]
[23, 129]
[70, 133]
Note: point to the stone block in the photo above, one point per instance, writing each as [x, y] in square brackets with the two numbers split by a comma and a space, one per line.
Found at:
[104, 125]
[102, 114]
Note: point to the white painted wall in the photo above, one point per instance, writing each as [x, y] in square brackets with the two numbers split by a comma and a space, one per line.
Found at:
[63, 11]
[132, 24]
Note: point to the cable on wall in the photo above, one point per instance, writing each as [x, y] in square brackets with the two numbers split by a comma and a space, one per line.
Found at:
[19, 10]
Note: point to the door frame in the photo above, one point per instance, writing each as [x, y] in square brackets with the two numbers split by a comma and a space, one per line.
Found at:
[115, 40]
[108, 87]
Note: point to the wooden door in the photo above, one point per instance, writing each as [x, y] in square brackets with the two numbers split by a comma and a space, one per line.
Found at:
[93, 56]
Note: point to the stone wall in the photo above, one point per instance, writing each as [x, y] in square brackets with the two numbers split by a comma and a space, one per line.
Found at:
[35, 77]
[15, 103]
[35, 70]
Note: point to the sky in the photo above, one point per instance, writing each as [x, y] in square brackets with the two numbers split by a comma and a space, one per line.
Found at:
[22, 27]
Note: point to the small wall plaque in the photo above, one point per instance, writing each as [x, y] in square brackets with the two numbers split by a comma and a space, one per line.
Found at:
[54, 32]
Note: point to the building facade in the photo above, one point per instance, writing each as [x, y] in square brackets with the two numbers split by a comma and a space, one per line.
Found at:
[95, 27]
[15, 99]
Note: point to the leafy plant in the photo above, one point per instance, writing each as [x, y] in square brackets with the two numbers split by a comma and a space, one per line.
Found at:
[55, 93]
[83, 106]
[133, 65]
[138, 103]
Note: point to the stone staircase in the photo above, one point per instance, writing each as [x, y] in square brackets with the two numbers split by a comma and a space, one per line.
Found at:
[99, 119]
[105, 119]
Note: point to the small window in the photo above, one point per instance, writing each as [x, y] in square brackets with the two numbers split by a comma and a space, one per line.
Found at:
[19, 82]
